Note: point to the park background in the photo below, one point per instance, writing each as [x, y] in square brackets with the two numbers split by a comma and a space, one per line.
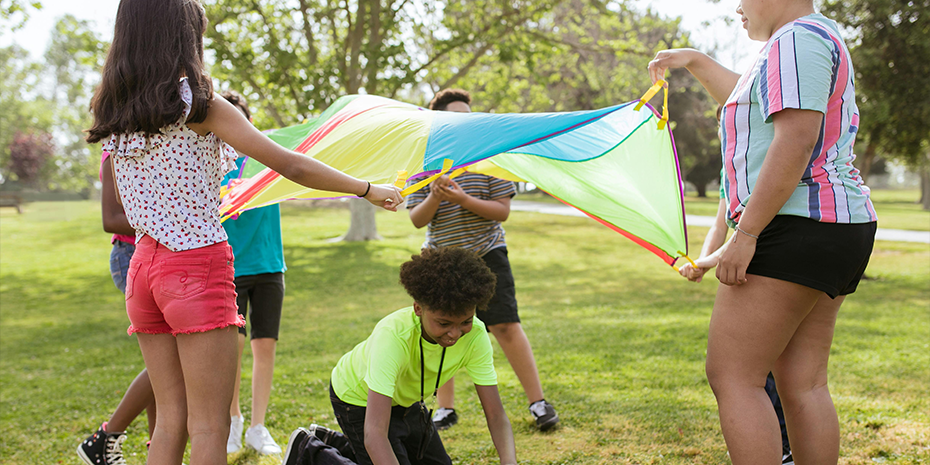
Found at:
[618, 336]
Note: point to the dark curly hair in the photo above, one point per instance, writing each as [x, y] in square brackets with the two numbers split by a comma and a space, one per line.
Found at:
[449, 279]
[444, 97]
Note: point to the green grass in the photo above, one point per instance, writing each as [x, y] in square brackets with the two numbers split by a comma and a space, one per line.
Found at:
[619, 339]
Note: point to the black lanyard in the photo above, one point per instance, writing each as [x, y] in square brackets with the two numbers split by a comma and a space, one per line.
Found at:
[438, 375]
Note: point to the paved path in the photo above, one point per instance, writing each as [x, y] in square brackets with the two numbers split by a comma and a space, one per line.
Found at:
[695, 220]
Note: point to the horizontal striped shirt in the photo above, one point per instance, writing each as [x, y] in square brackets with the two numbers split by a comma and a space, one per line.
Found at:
[455, 226]
[805, 65]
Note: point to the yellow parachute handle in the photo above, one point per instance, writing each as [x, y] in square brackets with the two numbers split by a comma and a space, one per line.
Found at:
[660, 84]
[446, 166]
[686, 257]
[401, 179]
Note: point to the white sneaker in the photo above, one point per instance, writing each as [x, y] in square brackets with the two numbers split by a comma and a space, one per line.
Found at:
[234, 443]
[258, 438]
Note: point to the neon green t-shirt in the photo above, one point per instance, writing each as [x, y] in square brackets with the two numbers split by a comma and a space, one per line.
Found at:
[388, 362]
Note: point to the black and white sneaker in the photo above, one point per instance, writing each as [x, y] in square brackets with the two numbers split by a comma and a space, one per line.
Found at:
[102, 448]
[445, 418]
[545, 415]
[293, 445]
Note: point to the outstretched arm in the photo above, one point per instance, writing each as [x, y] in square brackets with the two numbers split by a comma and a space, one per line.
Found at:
[377, 424]
[229, 124]
[717, 79]
[498, 424]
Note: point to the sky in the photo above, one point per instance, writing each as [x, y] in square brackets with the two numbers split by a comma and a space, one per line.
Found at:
[694, 13]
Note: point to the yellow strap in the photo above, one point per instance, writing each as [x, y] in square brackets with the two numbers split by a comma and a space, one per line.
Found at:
[401, 179]
[446, 166]
[686, 257]
[660, 84]
[664, 119]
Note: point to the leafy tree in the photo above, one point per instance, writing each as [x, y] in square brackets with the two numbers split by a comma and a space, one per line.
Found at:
[29, 156]
[292, 58]
[74, 58]
[891, 56]
[588, 54]
[10, 9]
[24, 109]
[51, 97]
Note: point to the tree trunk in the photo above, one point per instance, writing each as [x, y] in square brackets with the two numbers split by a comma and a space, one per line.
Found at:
[701, 189]
[925, 188]
[362, 226]
[865, 167]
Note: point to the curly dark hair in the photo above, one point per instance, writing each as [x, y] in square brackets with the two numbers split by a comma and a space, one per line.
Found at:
[443, 98]
[238, 101]
[449, 279]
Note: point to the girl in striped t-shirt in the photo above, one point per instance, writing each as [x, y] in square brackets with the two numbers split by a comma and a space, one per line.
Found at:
[804, 227]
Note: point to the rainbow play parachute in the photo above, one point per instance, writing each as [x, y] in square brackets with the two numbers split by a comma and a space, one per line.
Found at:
[617, 165]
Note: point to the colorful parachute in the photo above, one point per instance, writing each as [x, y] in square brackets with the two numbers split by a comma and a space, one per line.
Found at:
[617, 165]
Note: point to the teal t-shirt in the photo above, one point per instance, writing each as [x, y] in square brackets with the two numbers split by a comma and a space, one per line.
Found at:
[255, 237]
[388, 362]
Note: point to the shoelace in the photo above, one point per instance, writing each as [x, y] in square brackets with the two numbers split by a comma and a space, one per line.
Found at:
[114, 452]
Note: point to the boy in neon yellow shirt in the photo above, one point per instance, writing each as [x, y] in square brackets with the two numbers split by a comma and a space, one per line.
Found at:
[378, 388]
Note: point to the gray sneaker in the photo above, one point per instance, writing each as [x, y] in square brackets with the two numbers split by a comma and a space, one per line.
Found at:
[545, 415]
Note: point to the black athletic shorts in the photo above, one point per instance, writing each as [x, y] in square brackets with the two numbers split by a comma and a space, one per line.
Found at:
[829, 257]
[503, 306]
[266, 294]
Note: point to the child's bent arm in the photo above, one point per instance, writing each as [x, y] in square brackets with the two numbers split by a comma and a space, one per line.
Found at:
[423, 213]
[498, 423]
[114, 218]
[377, 424]
[228, 123]
[716, 78]
[796, 135]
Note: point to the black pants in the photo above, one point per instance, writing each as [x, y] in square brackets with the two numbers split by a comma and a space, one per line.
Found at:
[408, 431]
[776, 402]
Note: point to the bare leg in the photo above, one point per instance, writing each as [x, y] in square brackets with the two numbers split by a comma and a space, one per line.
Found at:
[234, 410]
[801, 378]
[516, 347]
[209, 363]
[446, 395]
[139, 396]
[262, 376]
[750, 327]
[160, 352]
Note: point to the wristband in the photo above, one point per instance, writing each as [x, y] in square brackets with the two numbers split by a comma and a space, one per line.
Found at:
[746, 233]
[366, 190]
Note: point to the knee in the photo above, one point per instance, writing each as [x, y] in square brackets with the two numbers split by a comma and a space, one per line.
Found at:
[214, 424]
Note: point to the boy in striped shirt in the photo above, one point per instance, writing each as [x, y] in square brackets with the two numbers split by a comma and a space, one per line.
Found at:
[467, 212]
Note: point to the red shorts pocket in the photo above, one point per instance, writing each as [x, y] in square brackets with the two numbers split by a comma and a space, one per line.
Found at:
[183, 278]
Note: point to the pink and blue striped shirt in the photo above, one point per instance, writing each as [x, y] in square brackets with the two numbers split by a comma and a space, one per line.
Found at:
[805, 65]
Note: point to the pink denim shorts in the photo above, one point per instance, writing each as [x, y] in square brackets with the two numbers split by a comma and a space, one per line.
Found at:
[185, 292]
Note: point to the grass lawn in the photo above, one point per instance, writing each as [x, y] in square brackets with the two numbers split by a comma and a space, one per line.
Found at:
[619, 340]
[897, 209]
